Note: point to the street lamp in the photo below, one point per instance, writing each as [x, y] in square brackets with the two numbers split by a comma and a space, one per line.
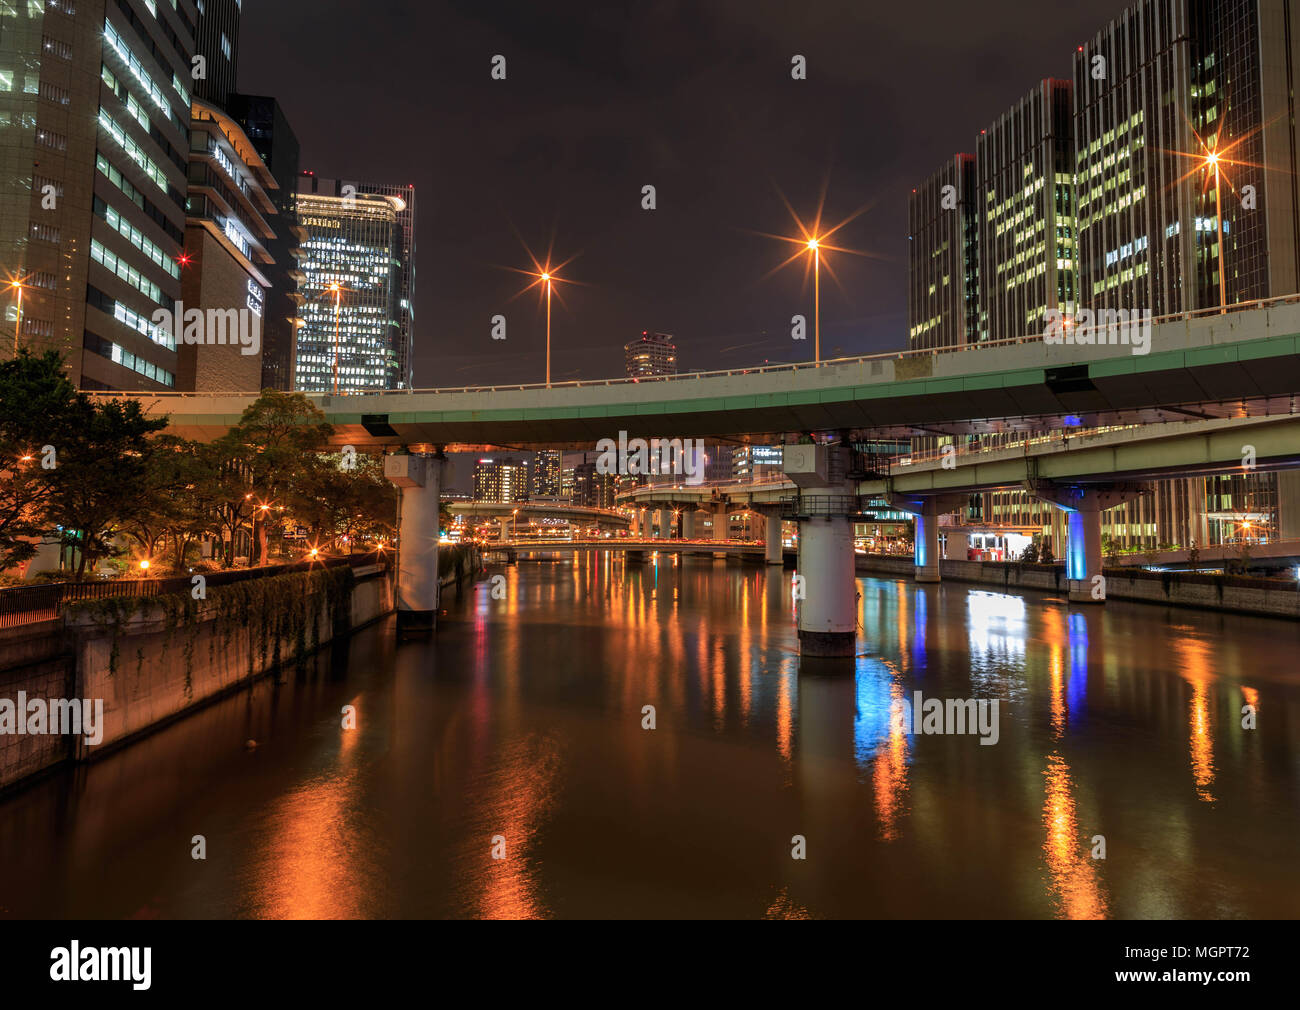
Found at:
[1212, 161]
[337, 289]
[17, 286]
[814, 244]
[546, 276]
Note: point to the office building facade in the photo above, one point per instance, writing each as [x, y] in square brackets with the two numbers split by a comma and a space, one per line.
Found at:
[349, 338]
[266, 126]
[943, 297]
[95, 98]
[1025, 166]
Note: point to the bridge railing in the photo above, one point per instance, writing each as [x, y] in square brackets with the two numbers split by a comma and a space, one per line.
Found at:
[688, 377]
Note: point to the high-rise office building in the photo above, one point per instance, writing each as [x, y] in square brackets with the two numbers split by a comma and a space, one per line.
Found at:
[404, 197]
[1025, 193]
[265, 124]
[353, 240]
[1156, 90]
[547, 474]
[95, 98]
[943, 296]
[500, 480]
[650, 354]
[216, 40]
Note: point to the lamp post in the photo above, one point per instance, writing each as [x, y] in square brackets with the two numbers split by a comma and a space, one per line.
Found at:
[337, 289]
[546, 276]
[1212, 161]
[815, 246]
[18, 323]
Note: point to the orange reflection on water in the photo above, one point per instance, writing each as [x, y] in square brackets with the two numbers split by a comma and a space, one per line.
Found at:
[784, 717]
[1075, 886]
[889, 770]
[517, 801]
[1057, 677]
[310, 867]
[1200, 726]
[783, 907]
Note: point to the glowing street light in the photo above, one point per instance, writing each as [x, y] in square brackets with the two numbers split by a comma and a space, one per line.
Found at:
[17, 286]
[337, 290]
[813, 240]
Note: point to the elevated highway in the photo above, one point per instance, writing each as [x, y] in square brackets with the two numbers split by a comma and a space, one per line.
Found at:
[1200, 365]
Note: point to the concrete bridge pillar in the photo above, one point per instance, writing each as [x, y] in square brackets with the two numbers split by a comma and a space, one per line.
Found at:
[665, 524]
[419, 477]
[1083, 506]
[688, 523]
[772, 550]
[927, 558]
[827, 594]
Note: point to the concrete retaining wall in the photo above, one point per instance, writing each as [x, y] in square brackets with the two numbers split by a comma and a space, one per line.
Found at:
[152, 660]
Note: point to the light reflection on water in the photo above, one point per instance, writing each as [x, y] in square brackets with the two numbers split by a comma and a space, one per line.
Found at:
[523, 722]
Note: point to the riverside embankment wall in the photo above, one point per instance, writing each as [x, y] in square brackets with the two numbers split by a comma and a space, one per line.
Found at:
[1231, 593]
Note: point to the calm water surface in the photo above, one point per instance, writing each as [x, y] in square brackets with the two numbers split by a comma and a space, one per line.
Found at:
[523, 719]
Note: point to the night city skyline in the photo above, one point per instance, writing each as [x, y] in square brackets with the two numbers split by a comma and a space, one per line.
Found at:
[682, 460]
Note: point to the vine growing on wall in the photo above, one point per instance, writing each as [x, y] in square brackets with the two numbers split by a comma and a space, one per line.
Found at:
[267, 613]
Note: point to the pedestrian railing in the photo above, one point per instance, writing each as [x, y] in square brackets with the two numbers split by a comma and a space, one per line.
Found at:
[29, 604]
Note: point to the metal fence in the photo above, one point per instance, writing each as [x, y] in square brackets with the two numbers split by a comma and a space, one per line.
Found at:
[29, 604]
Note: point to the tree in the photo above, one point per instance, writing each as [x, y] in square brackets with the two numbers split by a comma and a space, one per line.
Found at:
[334, 502]
[278, 434]
[1030, 554]
[1045, 553]
[100, 482]
[37, 407]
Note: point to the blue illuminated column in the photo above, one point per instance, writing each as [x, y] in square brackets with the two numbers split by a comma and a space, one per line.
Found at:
[925, 545]
[1083, 553]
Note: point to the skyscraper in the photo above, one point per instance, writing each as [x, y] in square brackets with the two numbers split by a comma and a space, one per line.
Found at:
[546, 474]
[405, 347]
[943, 296]
[650, 354]
[96, 101]
[1025, 166]
[1156, 90]
[353, 240]
[266, 125]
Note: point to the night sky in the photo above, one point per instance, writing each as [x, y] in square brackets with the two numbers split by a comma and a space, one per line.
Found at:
[694, 97]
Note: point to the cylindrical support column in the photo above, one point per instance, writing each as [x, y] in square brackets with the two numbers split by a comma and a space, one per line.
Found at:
[721, 518]
[925, 545]
[826, 588]
[665, 524]
[688, 523]
[418, 476]
[772, 552]
[1083, 561]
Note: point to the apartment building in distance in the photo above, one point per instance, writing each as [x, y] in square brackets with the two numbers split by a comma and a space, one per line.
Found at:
[650, 354]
